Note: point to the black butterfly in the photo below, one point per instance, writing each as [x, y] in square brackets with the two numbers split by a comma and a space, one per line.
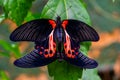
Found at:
[55, 40]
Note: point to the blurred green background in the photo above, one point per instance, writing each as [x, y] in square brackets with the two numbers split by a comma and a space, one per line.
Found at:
[105, 18]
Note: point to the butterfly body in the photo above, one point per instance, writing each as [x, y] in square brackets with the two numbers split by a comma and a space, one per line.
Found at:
[55, 39]
[59, 38]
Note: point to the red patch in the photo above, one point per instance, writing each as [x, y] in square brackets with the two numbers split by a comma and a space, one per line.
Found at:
[40, 53]
[51, 54]
[73, 56]
[76, 53]
[64, 23]
[67, 46]
[52, 22]
[46, 55]
[70, 53]
[37, 47]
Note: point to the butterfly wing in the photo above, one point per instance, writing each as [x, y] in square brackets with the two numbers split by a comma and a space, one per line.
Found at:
[35, 30]
[72, 41]
[44, 53]
[80, 31]
[82, 61]
[75, 57]
[33, 59]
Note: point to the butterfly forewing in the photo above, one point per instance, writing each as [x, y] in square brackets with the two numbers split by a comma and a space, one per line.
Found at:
[80, 31]
[35, 30]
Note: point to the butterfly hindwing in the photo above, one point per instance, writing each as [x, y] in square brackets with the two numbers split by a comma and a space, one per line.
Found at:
[44, 53]
[33, 59]
[35, 30]
[74, 56]
[82, 61]
[80, 31]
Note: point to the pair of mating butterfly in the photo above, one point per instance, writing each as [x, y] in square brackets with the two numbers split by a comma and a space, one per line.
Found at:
[55, 40]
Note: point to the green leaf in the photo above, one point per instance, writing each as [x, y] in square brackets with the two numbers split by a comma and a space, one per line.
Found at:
[90, 74]
[2, 17]
[113, 0]
[64, 71]
[4, 54]
[1, 2]
[3, 76]
[84, 47]
[17, 9]
[29, 17]
[66, 9]
[10, 48]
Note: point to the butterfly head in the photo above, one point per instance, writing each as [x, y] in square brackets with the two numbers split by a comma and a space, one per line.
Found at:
[58, 20]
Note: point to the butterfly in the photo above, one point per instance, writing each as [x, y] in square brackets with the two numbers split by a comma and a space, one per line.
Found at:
[55, 40]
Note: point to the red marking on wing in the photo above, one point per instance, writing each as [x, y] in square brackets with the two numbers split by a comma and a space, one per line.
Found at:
[51, 54]
[46, 53]
[37, 47]
[40, 52]
[70, 52]
[49, 50]
[64, 23]
[76, 53]
[52, 45]
[73, 53]
[67, 46]
[53, 23]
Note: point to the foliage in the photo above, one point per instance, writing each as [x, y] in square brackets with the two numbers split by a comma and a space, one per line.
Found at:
[18, 11]
[101, 14]
[3, 76]
[90, 75]
[9, 48]
[113, 0]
